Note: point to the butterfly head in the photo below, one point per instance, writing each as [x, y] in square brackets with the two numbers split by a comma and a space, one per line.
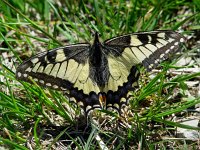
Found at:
[96, 39]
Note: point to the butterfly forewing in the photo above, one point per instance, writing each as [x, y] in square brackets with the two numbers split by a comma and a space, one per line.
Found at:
[148, 48]
[61, 68]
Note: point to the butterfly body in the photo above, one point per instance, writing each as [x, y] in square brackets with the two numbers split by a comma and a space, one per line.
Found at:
[100, 75]
[98, 63]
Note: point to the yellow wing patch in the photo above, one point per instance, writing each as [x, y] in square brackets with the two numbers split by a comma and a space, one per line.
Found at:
[119, 69]
[60, 56]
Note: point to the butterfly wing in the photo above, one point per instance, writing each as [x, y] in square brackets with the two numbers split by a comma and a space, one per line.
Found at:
[147, 48]
[70, 68]
[125, 52]
[51, 67]
[65, 68]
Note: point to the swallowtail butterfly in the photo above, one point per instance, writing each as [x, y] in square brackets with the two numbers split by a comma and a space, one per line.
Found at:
[100, 75]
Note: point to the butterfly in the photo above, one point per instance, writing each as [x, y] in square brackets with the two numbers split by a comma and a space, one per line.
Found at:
[100, 75]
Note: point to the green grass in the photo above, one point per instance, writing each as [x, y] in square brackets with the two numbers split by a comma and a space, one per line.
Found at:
[27, 111]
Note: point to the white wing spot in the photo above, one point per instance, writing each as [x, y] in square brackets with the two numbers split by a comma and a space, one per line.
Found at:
[167, 51]
[55, 86]
[41, 81]
[48, 84]
[149, 38]
[172, 47]
[62, 88]
[182, 40]
[25, 75]
[35, 79]
[35, 60]
[19, 74]
[176, 43]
